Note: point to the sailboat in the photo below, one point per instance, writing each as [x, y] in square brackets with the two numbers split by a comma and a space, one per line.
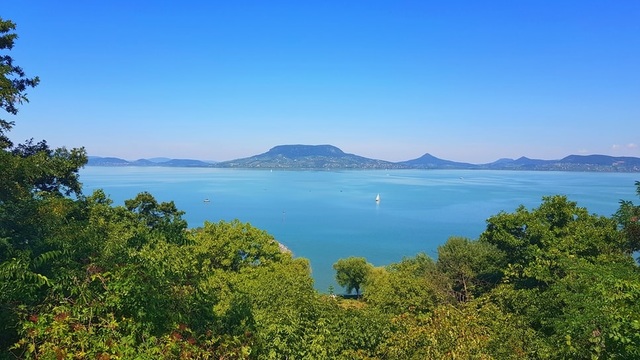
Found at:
[378, 198]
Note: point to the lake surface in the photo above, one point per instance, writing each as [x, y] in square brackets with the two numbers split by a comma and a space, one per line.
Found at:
[328, 215]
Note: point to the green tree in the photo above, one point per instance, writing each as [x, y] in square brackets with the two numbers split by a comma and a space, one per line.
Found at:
[468, 331]
[628, 218]
[35, 218]
[29, 167]
[569, 276]
[233, 246]
[13, 81]
[38, 224]
[473, 267]
[414, 285]
[356, 330]
[163, 218]
[538, 244]
[35, 170]
[352, 272]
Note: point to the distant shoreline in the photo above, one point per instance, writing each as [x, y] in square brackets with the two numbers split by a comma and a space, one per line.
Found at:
[283, 248]
[328, 157]
[576, 168]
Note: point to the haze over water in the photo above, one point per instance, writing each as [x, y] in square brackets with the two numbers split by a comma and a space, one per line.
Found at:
[327, 215]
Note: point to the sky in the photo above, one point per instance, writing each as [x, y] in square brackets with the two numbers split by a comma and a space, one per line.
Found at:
[471, 81]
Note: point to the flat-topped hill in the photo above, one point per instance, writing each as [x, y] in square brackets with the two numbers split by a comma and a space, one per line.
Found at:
[309, 157]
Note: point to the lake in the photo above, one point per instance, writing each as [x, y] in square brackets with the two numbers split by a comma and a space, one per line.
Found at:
[327, 215]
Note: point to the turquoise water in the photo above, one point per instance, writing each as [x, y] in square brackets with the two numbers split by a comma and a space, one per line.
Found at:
[328, 215]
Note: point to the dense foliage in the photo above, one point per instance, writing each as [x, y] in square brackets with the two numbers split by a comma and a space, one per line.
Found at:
[83, 278]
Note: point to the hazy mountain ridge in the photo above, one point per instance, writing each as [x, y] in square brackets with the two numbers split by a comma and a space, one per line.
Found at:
[309, 157]
[570, 163]
[428, 161]
[331, 157]
[113, 161]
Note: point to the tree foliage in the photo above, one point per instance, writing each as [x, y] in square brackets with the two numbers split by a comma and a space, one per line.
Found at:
[413, 285]
[469, 331]
[570, 276]
[628, 218]
[351, 273]
[472, 267]
[13, 81]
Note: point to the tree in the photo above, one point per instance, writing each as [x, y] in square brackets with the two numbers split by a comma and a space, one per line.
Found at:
[569, 275]
[414, 285]
[467, 331]
[470, 266]
[628, 218]
[34, 170]
[29, 168]
[34, 215]
[352, 272]
[233, 246]
[13, 81]
[164, 217]
[539, 244]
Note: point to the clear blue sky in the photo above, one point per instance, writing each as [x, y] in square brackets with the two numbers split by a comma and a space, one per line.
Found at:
[463, 80]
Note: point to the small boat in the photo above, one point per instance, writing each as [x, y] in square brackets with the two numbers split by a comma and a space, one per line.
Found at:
[207, 200]
[378, 198]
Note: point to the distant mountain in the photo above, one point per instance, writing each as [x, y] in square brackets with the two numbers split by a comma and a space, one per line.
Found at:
[309, 157]
[184, 163]
[501, 161]
[601, 160]
[331, 157]
[428, 161]
[602, 163]
[158, 159]
[522, 163]
[112, 161]
[144, 162]
[106, 161]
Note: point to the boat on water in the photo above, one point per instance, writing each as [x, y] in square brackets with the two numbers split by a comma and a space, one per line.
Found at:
[207, 200]
[378, 198]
